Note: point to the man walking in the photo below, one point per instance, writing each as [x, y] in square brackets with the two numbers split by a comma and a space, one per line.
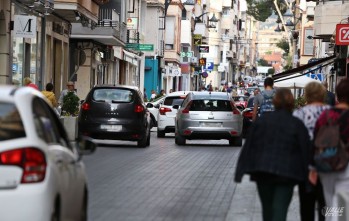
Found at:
[264, 100]
[70, 88]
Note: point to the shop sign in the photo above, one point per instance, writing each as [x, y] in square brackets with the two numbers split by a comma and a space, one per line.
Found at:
[132, 23]
[342, 34]
[24, 26]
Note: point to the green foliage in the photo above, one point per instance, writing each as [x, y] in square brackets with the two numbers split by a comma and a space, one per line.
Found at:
[70, 104]
[263, 62]
[299, 102]
[260, 10]
[283, 44]
[271, 71]
[288, 65]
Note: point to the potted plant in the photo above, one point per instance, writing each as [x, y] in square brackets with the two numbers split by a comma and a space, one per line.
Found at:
[70, 111]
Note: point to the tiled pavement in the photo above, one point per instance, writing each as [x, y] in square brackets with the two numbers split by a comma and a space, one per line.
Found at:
[169, 183]
[249, 207]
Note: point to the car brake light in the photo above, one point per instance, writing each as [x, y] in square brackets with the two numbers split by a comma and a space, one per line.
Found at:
[186, 109]
[139, 108]
[163, 110]
[248, 114]
[85, 106]
[31, 160]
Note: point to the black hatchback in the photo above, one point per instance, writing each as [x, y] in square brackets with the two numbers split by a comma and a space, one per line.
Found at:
[115, 113]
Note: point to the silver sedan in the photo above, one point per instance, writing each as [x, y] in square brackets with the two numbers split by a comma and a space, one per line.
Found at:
[208, 115]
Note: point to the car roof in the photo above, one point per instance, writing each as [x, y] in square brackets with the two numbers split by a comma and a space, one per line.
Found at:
[177, 93]
[211, 95]
[116, 86]
[7, 92]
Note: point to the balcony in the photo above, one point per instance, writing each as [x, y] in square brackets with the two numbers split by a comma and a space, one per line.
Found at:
[327, 15]
[108, 30]
[68, 9]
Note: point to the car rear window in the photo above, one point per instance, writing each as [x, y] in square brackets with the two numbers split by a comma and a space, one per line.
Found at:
[113, 95]
[210, 105]
[170, 101]
[11, 126]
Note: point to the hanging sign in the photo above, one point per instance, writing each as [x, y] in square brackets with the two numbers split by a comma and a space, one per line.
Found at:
[342, 34]
[132, 23]
[24, 26]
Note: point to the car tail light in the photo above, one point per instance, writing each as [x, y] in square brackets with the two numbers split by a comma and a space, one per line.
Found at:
[139, 108]
[248, 114]
[186, 109]
[235, 110]
[233, 132]
[163, 110]
[31, 160]
[187, 132]
[85, 106]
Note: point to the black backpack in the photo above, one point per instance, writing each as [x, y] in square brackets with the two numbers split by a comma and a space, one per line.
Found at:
[331, 153]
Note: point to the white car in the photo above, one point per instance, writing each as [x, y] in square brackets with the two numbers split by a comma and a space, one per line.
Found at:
[42, 176]
[153, 108]
[167, 114]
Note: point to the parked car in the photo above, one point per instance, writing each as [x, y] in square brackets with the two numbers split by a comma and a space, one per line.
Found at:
[118, 112]
[167, 114]
[42, 176]
[208, 115]
[153, 108]
[240, 101]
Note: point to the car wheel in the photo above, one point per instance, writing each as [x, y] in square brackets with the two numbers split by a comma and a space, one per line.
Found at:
[236, 141]
[143, 142]
[180, 140]
[55, 216]
[161, 133]
[83, 215]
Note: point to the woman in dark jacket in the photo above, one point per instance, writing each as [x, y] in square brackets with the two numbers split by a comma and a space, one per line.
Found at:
[276, 155]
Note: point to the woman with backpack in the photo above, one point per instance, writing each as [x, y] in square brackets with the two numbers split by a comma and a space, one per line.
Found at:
[309, 194]
[335, 179]
[276, 155]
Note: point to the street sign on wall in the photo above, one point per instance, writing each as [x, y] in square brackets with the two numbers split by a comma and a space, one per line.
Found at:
[197, 39]
[342, 34]
[204, 49]
[140, 47]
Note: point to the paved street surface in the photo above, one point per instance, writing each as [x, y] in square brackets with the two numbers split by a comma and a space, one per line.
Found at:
[169, 182]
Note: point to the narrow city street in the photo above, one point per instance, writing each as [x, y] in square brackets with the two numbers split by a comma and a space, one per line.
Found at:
[170, 182]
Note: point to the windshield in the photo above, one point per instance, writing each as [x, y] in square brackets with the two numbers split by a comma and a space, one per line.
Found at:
[11, 126]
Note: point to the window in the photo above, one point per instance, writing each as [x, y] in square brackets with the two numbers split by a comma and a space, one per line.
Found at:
[11, 126]
[113, 95]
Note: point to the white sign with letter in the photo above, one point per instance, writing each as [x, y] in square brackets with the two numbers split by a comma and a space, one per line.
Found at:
[24, 26]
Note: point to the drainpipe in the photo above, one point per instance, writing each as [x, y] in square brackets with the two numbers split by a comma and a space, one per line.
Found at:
[42, 53]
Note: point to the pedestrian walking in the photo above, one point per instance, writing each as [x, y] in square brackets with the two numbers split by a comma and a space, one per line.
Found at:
[309, 195]
[264, 100]
[276, 155]
[153, 95]
[51, 97]
[336, 181]
[28, 83]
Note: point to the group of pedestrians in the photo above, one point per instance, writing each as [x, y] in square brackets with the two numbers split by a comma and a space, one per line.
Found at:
[49, 94]
[279, 151]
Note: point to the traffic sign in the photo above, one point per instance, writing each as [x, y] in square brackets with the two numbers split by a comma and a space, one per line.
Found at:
[209, 66]
[202, 61]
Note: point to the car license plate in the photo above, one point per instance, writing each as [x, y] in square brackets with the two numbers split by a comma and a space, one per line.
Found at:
[208, 124]
[111, 127]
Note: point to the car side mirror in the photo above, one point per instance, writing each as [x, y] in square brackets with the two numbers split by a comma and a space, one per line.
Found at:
[85, 145]
[157, 106]
[150, 105]
[175, 106]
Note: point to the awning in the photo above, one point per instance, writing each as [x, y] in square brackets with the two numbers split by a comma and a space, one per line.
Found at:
[304, 69]
[131, 57]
